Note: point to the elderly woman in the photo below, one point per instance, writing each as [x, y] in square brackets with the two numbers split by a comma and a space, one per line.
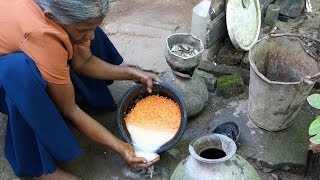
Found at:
[48, 48]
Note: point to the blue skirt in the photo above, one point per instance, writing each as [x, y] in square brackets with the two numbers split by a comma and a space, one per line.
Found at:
[37, 136]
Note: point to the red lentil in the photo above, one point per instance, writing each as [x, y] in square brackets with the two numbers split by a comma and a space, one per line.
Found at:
[155, 112]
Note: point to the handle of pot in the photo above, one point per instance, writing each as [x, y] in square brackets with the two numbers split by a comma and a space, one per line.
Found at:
[311, 79]
[191, 149]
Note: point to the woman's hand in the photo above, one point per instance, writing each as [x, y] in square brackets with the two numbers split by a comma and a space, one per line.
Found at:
[136, 162]
[147, 78]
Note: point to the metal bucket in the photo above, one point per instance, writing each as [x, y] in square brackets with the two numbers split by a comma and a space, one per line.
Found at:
[283, 70]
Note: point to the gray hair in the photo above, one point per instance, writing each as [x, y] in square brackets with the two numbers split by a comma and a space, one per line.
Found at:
[72, 11]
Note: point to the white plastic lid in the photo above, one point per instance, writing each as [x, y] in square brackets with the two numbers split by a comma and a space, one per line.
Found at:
[243, 22]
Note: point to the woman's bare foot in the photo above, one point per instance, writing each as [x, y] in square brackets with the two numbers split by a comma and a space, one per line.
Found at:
[58, 175]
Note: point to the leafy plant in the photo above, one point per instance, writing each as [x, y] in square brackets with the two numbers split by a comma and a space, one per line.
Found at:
[314, 128]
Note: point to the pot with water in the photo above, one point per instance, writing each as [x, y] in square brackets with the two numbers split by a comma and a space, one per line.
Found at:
[214, 157]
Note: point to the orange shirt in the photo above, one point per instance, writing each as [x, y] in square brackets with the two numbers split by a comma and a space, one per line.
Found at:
[24, 27]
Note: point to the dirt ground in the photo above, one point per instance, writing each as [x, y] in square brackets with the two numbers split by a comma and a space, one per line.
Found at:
[164, 11]
[307, 24]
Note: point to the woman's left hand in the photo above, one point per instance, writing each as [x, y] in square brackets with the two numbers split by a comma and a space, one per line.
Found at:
[143, 77]
[128, 153]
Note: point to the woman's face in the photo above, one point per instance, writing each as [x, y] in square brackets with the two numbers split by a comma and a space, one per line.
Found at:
[82, 31]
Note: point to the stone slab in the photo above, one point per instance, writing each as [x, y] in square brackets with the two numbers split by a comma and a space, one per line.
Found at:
[217, 29]
[264, 4]
[228, 54]
[291, 8]
[221, 69]
[283, 150]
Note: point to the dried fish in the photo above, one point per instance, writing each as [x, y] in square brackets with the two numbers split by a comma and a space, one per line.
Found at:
[184, 50]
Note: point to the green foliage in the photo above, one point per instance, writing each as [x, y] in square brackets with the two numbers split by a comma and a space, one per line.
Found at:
[314, 100]
[314, 128]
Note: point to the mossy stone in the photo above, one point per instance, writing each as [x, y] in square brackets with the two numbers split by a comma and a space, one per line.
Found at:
[230, 86]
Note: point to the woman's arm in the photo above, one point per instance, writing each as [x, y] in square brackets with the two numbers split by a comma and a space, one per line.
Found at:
[63, 98]
[83, 62]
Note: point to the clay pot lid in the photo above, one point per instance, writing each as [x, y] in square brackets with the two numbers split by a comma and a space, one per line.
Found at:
[243, 22]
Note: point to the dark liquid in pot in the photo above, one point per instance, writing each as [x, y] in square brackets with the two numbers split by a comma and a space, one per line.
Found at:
[212, 153]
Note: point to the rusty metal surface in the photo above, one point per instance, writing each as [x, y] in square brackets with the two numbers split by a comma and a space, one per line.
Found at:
[280, 80]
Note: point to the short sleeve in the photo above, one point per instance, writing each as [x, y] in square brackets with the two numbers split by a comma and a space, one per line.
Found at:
[51, 51]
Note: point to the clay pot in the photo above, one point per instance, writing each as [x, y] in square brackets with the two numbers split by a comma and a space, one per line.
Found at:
[214, 157]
